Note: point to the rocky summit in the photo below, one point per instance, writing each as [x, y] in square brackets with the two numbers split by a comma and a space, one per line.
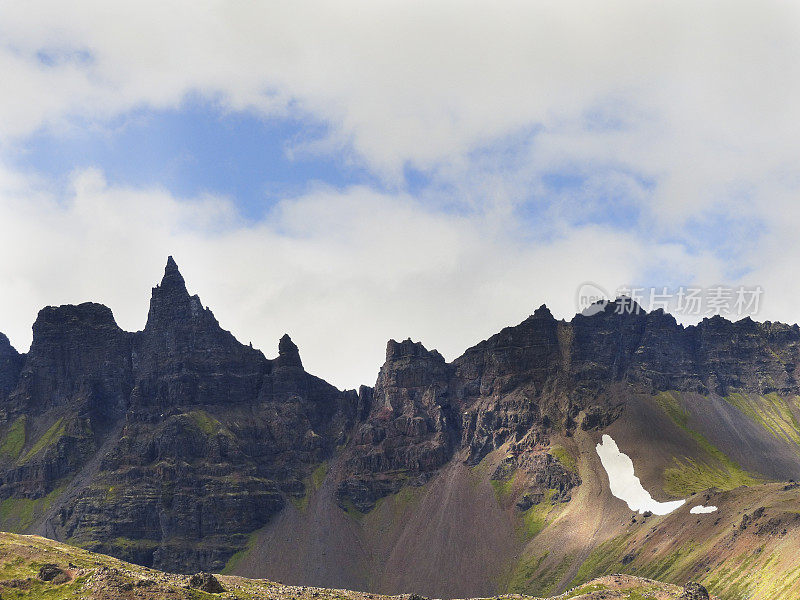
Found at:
[179, 448]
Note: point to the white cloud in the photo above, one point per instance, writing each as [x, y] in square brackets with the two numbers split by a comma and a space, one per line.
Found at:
[342, 272]
[676, 111]
[706, 92]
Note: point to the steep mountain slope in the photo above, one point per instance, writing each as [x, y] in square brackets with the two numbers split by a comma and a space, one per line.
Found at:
[180, 448]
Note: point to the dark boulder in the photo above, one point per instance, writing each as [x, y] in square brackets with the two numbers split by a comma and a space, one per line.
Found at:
[694, 591]
[206, 582]
[52, 573]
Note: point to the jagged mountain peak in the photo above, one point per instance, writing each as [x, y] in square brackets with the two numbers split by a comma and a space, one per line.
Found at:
[4, 341]
[409, 349]
[173, 285]
[172, 275]
[178, 442]
[542, 313]
[10, 365]
[171, 304]
[288, 353]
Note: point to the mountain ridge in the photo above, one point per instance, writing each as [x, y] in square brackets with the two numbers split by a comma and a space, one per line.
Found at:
[180, 448]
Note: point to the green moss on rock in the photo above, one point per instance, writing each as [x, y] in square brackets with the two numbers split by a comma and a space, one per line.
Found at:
[565, 457]
[18, 514]
[205, 422]
[14, 440]
[49, 439]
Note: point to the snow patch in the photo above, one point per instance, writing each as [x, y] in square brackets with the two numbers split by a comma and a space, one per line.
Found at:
[624, 483]
[702, 510]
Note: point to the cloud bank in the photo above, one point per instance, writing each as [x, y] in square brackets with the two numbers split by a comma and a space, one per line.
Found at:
[342, 272]
[552, 143]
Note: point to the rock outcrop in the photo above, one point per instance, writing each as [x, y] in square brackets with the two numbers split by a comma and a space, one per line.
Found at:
[184, 357]
[411, 429]
[694, 591]
[206, 582]
[79, 359]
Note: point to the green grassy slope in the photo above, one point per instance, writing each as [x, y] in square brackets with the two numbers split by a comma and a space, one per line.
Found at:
[96, 577]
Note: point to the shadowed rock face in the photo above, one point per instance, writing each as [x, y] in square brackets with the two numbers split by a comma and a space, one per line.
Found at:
[288, 354]
[10, 366]
[73, 386]
[524, 382]
[79, 358]
[411, 428]
[184, 357]
[170, 446]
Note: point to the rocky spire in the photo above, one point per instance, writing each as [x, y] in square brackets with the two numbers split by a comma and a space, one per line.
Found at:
[170, 300]
[184, 344]
[173, 280]
[288, 353]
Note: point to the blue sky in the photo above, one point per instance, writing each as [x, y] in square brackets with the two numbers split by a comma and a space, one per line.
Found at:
[352, 172]
[195, 149]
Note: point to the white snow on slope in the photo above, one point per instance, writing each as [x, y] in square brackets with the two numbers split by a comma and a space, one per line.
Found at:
[701, 510]
[624, 483]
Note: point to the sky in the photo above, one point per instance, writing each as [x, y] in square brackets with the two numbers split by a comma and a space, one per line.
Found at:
[350, 172]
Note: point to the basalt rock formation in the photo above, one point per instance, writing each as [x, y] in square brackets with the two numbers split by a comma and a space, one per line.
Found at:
[10, 366]
[545, 375]
[165, 447]
[170, 446]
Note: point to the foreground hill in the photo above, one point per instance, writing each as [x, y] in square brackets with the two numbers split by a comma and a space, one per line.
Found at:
[35, 567]
[181, 449]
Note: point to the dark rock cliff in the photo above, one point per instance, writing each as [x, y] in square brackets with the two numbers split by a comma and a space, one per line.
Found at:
[170, 446]
[411, 429]
[10, 367]
[545, 375]
[184, 357]
[79, 359]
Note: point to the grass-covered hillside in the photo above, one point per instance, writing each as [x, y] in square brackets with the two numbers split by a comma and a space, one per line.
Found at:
[32, 567]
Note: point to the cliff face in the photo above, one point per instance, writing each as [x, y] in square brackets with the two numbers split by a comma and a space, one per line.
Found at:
[166, 447]
[10, 367]
[410, 430]
[79, 358]
[169, 447]
[546, 376]
[184, 357]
